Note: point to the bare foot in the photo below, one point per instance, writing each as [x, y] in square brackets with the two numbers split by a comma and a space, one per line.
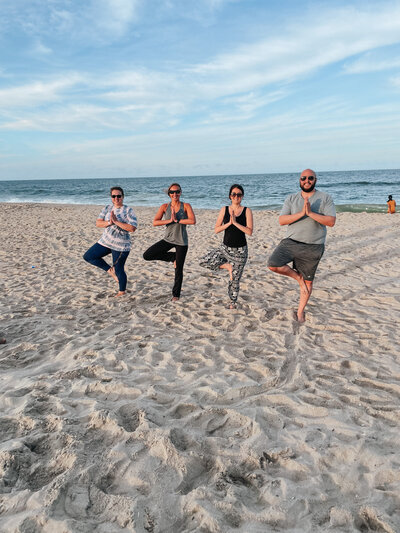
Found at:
[232, 306]
[120, 293]
[229, 268]
[174, 299]
[300, 317]
[112, 273]
[2, 340]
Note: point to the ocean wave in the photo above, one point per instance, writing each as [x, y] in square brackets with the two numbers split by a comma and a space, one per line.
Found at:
[340, 208]
[361, 208]
[358, 184]
[354, 191]
[61, 201]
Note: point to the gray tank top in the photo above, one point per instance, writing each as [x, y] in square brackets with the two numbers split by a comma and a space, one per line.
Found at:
[176, 233]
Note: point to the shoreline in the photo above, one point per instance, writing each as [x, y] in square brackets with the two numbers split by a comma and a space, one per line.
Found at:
[340, 208]
[136, 414]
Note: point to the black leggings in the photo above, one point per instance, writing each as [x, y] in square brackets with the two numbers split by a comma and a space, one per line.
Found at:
[160, 251]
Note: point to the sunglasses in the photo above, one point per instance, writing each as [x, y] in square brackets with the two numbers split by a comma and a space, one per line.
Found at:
[116, 196]
[238, 194]
[175, 191]
[309, 178]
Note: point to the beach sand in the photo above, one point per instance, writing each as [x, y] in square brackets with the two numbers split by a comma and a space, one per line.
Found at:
[135, 414]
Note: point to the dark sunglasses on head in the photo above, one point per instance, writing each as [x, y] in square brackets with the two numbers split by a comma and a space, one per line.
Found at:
[116, 196]
[309, 178]
[175, 191]
[238, 194]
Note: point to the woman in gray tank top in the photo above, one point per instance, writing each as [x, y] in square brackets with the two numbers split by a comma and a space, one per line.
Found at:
[175, 215]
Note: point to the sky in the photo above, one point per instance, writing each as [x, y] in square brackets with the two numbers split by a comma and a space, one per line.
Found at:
[124, 88]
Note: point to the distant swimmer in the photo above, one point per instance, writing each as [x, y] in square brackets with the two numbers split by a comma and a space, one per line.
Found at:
[306, 215]
[175, 216]
[118, 221]
[391, 205]
[237, 222]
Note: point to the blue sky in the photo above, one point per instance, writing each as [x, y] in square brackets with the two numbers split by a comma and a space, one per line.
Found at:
[117, 88]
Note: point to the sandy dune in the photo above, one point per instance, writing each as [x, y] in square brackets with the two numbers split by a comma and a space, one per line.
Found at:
[139, 415]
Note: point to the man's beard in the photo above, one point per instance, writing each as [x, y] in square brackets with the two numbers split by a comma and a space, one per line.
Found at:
[310, 188]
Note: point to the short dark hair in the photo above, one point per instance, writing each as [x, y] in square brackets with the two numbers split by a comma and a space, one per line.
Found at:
[235, 186]
[117, 189]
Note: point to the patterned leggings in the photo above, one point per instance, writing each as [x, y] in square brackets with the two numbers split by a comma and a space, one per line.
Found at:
[237, 257]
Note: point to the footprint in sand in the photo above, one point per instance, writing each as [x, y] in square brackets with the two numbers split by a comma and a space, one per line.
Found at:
[129, 418]
[179, 439]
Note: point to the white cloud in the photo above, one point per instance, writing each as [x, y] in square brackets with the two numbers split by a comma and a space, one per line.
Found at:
[114, 16]
[39, 49]
[329, 38]
[36, 93]
[61, 20]
[371, 62]
[141, 85]
[232, 87]
[97, 20]
[395, 81]
[266, 142]
[253, 101]
[201, 11]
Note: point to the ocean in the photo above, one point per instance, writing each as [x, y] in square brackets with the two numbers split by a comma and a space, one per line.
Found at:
[356, 190]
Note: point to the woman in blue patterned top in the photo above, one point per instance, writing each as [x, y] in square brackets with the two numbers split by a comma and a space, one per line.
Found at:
[175, 216]
[118, 221]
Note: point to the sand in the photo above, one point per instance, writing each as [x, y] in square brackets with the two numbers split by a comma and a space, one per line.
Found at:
[135, 414]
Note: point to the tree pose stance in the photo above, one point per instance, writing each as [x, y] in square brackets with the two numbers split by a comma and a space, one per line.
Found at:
[118, 221]
[306, 215]
[175, 215]
[237, 222]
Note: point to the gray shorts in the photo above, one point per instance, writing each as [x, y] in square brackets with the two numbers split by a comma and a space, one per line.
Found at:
[305, 257]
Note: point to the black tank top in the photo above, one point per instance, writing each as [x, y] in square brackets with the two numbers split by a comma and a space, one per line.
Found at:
[234, 237]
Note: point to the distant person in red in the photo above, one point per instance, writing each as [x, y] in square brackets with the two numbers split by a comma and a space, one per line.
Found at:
[391, 205]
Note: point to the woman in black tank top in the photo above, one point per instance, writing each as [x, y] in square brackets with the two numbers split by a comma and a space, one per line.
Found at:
[237, 222]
